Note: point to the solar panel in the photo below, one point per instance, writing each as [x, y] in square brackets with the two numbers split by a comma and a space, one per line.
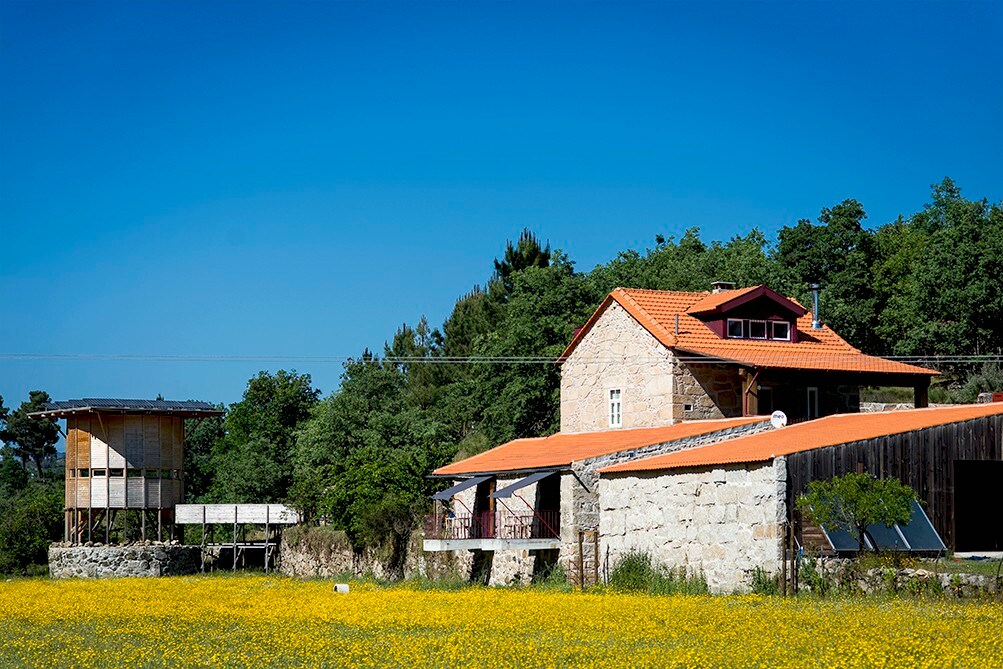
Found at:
[920, 532]
[918, 535]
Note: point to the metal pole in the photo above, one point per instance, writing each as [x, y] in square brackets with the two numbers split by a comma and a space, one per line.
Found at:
[581, 560]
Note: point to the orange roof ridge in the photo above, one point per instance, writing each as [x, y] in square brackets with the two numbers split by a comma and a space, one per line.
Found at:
[561, 449]
[820, 433]
[669, 340]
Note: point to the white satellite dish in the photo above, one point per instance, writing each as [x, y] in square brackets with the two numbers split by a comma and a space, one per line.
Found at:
[778, 419]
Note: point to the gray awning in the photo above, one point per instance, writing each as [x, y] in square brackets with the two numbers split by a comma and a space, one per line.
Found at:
[521, 483]
[462, 485]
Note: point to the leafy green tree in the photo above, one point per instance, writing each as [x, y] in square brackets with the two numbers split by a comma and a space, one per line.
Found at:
[838, 253]
[855, 501]
[32, 439]
[13, 476]
[252, 462]
[362, 459]
[202, 435]
[29, 522]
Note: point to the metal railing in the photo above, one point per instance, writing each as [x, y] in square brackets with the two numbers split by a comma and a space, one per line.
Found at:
[494, 525]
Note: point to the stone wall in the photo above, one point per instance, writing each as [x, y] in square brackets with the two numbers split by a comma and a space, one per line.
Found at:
[328, 554]
[709, 390]
[722, 521]
[616, 353]
[116, 561]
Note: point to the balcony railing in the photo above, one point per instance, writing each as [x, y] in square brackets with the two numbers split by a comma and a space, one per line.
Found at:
[494, 525]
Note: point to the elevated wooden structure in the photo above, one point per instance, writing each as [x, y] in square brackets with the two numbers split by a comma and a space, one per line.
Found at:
[124, 462]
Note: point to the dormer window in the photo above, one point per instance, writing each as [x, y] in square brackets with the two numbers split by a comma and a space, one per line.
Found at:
[780, 330]
[741, 328]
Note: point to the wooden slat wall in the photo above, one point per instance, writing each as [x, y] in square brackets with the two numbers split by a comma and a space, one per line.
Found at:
[134, 440]
[178, 439]
[83, 443]
[923, 460]
[151, 441]
[99, 449]
[71, 443]
[166, 448]
[115, 424]
[99, 491]
[116, 492]
[136, 489]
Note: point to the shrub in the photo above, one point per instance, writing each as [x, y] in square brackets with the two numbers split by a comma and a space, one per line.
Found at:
[764, 583]
[637, 572]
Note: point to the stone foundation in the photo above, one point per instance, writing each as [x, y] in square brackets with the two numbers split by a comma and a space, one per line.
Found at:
[119, 561]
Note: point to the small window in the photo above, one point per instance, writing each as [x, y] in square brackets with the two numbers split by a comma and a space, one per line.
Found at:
[687, 407]
[153, 473]
[615, 408]
[84, 473]
[117, 472]
[735, 329]
[70, 473]
[165, 473]
[757, 329]
[812, 403]
[135, 473]
[781, 330]
[98, 472]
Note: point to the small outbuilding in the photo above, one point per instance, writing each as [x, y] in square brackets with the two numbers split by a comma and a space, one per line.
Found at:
[124, 464]
[727, 508]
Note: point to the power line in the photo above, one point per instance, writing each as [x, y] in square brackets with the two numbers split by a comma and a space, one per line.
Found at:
[456, 360]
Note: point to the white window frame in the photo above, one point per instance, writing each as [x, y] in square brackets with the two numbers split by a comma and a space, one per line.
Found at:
[812, 406]
[615, 407]
[728, 328]
[766, 330]
[773, 332]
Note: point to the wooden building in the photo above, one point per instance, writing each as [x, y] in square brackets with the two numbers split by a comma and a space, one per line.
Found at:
[124, 465]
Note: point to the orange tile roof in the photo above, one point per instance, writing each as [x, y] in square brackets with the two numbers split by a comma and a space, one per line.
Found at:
[560, 450]
[828, 431]
[819, 350]
[715, 300]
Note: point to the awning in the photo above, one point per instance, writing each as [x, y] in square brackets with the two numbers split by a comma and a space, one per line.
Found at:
[521, 483]
[446, 494]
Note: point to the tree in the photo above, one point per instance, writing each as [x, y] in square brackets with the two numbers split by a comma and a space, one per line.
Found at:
[253, 460]
[525, 253]
[29, 522]
[855, 501]
[363, 458]
[13, 475]
[32, 439]
[202, 435]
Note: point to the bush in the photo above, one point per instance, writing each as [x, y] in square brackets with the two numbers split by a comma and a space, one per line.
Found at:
[29, 522]
[765, 584]
[637, 572]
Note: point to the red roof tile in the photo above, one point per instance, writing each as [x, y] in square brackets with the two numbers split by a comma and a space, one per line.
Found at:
[560, 450]
[816, 349]
[828, 431]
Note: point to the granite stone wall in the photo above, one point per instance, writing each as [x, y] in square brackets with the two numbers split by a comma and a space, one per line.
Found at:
[617, 353]
[723, 522]
[117, 561]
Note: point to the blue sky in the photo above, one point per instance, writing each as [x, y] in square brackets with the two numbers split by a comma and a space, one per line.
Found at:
[298, 179]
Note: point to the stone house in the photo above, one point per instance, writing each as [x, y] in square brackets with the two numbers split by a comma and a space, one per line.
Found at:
[654, 357]
[660, 374]
[724, 508]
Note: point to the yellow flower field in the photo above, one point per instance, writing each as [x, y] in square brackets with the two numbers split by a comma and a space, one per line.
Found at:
[258, 621]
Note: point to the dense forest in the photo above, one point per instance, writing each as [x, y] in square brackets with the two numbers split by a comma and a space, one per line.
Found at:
[926, 285]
